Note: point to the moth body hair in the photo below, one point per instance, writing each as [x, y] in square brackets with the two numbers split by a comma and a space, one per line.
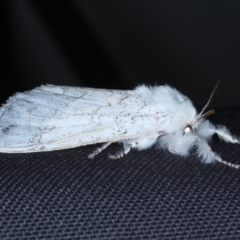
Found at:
[53, 117]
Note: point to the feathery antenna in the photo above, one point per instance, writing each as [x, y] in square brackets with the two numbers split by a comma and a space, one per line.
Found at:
[210, 99]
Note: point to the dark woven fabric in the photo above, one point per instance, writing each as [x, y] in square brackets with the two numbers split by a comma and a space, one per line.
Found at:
[150, 194]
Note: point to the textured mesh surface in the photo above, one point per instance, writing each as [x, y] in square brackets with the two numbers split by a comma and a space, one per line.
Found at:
[150, 194]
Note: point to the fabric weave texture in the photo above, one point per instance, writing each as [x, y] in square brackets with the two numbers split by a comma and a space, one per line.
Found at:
[150, 194]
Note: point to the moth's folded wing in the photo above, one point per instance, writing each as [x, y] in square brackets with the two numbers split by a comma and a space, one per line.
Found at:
[41, 120]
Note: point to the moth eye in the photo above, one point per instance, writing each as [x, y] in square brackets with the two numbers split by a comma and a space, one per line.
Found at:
[187, 130]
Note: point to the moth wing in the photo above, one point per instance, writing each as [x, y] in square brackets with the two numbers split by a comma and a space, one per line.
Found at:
[52, 118]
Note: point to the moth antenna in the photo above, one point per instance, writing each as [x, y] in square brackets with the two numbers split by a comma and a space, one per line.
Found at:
[210, 112]
[210, 99]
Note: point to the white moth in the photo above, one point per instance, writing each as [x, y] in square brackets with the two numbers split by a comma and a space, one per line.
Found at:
[52, 117]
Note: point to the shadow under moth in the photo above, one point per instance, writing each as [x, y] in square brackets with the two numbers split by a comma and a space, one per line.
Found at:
[52, 117]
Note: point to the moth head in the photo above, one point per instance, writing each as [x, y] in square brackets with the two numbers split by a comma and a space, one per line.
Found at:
[180, 142]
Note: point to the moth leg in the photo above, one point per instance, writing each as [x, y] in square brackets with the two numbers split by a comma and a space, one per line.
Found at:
[217, 157]
[121, 153]
[225, 135]
[98, 150]
[126, 149]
